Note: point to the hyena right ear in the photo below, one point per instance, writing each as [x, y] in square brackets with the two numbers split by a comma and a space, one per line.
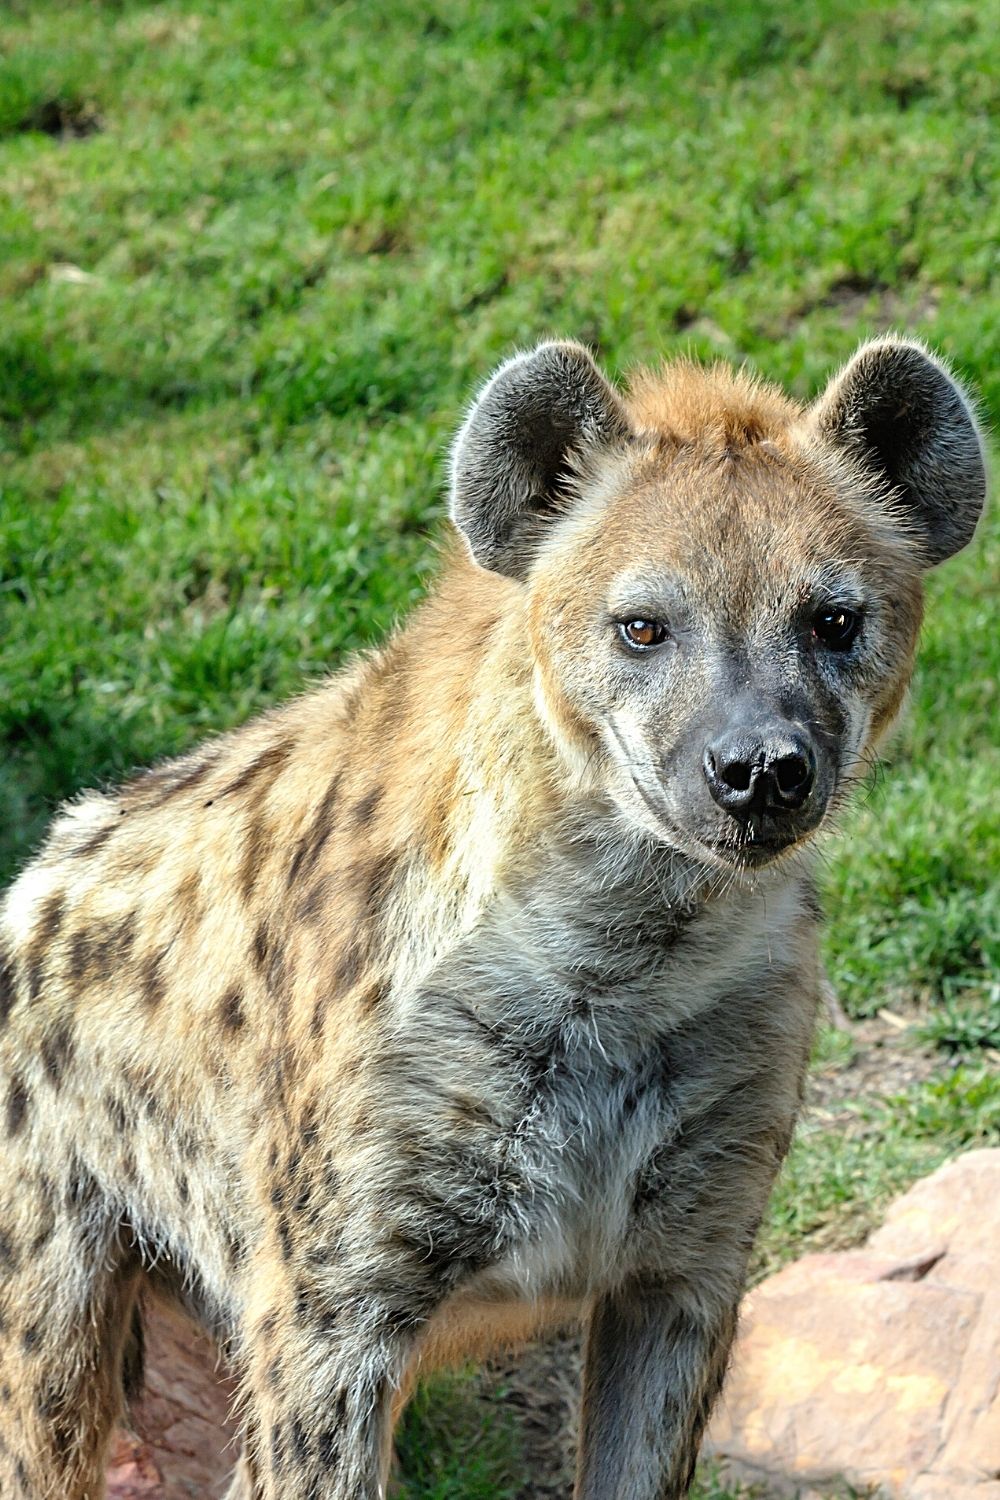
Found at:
[902, 415]
[513, 455]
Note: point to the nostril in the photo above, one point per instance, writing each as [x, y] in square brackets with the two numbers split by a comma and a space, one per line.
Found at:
[737, 774]
[792, 773]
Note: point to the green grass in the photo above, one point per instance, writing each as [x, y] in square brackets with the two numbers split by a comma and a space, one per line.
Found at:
[254, 257]
[450, 1444]
[837, 1181]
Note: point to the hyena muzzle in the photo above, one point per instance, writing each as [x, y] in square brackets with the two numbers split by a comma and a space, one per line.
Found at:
[471, 993]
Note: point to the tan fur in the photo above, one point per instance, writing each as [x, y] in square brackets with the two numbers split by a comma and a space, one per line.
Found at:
[259, 1037]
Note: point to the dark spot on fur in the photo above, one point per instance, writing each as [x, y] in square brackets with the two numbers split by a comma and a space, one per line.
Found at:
[315, 901]
[53, 911]
[95, 952]
[146, 1092]
[304, 1301]
[81, 1186]
[42, 1236]
[272, 759]
[285, 1236]
[177, 776]
[31, 1338]
[373, 997]
[328, 1448]
[50, 921]
[183, 1190]
[187, 898]
[35, 973]
[308, 1125]
[269, 956]
[116, 1113]
[95, 841]
[21, 1475]
[351, 1066]
[152, 985]
[300, 1442]
[57, 1051]
[18, 1100]
[261, 945]
[8, 1255]
[365, 808]
[376, 886]
[350, 967]
[318, 1016]
[311, 844]
[231, 1010]
[255, 846]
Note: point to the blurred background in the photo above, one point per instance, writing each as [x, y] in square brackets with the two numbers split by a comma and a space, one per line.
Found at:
[253, 260]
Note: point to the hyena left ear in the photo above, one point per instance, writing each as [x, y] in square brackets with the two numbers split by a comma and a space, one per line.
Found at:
[513, 455]
[899, 412]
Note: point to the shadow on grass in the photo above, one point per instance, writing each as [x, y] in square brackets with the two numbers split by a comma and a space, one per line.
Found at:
[47, 395]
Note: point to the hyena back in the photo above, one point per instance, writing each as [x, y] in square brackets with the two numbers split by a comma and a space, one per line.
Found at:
[472, 993]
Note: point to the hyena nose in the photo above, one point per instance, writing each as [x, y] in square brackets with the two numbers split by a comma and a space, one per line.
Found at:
[751, 772]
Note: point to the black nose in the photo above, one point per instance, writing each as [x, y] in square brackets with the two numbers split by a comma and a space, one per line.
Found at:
[749, 771]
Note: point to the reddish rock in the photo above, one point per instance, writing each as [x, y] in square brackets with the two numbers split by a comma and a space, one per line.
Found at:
[880, 1367]
[182, 1448]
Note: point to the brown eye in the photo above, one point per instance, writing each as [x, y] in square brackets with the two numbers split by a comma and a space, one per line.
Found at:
[643, 634]
[836, 627]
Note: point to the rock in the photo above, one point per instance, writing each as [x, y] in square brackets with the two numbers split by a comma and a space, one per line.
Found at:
[879, 1367]
[182, 1446]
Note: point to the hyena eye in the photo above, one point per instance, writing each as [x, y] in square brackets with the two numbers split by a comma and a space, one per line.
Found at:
[642, 635]
[835, 627]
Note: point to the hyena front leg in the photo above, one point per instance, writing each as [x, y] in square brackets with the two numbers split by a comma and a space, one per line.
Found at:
[67, 1299]
[653, 1369]
[321, 1423]
[325, 1362]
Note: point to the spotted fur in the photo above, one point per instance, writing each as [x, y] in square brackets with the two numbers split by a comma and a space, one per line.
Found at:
[439, 1007]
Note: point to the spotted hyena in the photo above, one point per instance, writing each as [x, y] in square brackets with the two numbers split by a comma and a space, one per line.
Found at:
[471, 993]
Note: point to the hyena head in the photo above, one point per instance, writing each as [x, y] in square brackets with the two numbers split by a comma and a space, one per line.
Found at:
[723, 588]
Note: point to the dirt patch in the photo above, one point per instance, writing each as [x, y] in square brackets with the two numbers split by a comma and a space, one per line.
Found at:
[886, 1060]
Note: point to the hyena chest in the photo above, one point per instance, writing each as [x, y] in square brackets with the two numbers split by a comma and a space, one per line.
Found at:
[587, 1150]
[580, 1074]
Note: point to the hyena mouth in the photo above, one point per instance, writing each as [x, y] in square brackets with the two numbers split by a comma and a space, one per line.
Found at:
[751, 845]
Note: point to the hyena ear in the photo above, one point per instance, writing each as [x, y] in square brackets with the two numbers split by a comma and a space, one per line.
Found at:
[513, 455]
[903, 417]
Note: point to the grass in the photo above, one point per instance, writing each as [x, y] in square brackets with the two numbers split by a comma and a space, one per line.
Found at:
[837, 1181]
[253, 259]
